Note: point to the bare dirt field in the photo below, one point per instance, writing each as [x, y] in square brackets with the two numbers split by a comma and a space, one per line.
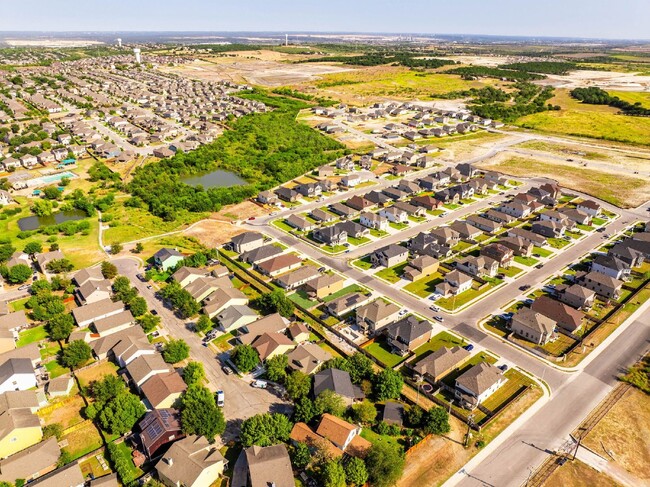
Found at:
[66, 412]
[624, 433]
[607, 80]
[254, 70]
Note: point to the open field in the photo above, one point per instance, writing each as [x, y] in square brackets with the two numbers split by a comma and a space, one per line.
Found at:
[578, 474]
[603, 185]
[96, 372]
[625, 433]
[83, 440]
[595, 121]
[66, 412]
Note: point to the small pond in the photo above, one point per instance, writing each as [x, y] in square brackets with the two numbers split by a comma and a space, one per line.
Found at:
[215, 179]
[34, 222]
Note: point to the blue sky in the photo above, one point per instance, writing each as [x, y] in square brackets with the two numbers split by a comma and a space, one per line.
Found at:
[628, 19]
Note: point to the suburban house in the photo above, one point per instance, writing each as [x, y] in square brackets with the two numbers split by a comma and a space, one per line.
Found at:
[45, 258]
[631, 256]
[566, 317]
[372, 220]
[324, 285]
[235, 316]
[478, 266]
[163, 390]
[203, 287]
[186, 275]
[59, 386]
[589, 207]
[393, 413]
[359, 203]
[260, 254]
[158, 429]
[518, 245]
[246, 241]
[92, 291]
[533, 326]
[268, 345]
[343, 211]
[267, 198]
[377, 198]
[426, 202]
[576, 296]
[31, 463]
[465, 230]
[374, 316]
[419, 267]
[438, 364]
[114, 323]
[70, 475]
[389, 256]
[577, 216]
[394, 214]
[339, 382]
[353, 229]
[500, 253]
[17, 374]
[528, 236]
[333, 235]
[145, 367]
[478, 383]
[343, 305]
[611, 266]
[273, 323]
[602, 284]
[499, 216]
[549, 228]
[344, 437]
[287, 194]
[14, 322]
[292, 280]
[411, 210]
[515, 208]
[408, 334]
[279, 265]
[455, 282]
[166, 258]
[299, 332]
[265, 466]
[299, 223]
[191, 462]
[307, 357]
[85, 315]
[445, 236]
[322, 215]
[21, 426]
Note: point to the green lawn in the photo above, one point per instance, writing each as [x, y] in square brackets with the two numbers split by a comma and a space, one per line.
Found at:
[301, 299]
[353, 288]
[363, 264]
[451, 206]
[19, 304]
[557, 243]
[381, 350]
[542, 252]
[450, 378]
[598, 221]
[392, 274]
[398, 226]
[527, 261]
[425, 286]
[377, 233]
[284, 226]
[334, 249]
[454, 302]
[461, 246]
[373, 438]
[511, 271]
[31, 335]
[559, 346]
[50, 350]
[515, 381]
[584, 228]
[125, 453]
[437, 212]
[443, 339]
[417, 219]
[55, 369]
[358, 241]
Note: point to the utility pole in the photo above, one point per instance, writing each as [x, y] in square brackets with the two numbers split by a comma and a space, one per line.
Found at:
[582, 433]
[470, 421]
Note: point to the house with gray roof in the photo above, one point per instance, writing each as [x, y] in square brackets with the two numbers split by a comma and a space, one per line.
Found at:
[478, 383]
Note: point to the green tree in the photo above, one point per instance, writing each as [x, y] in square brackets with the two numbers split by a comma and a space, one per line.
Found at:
[436, 422]
[116, 248]
[298, 385]
[359, 367]
[138, 306]
[42, 208]
[121, 413]
[200, 414]
[6, 251]
[60, 326]
[304, 410]
[332, 474]
[364, 412]
[138, 248]
[106, 389]
[33, 248]
[109, 270]
[148, 322]
[388, 385]
[355, 472]
[276, 302]
[54, 247]
[176, 351]
[204, 323]
[19, 273]
[414, 416]
[76, 353]
[245, 358]
[330, 402]
[194, 373]
[52, 193]
[53, 430]
[58, 266]
[300, 455]
[40, 286]
[385, 464]
[276, 368]
[265, 429]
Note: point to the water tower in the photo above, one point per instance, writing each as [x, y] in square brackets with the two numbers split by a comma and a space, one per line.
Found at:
[119, 43]
[136, 51]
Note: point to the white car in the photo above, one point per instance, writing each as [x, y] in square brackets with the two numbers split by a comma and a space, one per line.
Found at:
[403, 312]
[259, 384]
[220, 398]
[433, 307]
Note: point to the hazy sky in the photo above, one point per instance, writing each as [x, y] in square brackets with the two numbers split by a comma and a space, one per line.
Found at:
[629, 19]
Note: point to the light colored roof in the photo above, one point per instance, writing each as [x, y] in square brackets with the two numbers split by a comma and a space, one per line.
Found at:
[144, 365]
[115, 340]
[234, 313]
[307, 357]
[90, 311]
[377, 310]
[441, 361]
[268, 343]
[297, 329]
[185, 272]
[59, 384]
[273, 323]
[17, 319]
[68, 476]
[105, 481]
[535, 320]
[302, 274]
[269, 466]
[29, 462]
[15, 366]
[87, 274]
[323, 281]
[114, 321]
[18, 400]
[280, 262]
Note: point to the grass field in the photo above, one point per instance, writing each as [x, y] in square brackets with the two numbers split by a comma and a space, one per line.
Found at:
[578, 474]
[31, 335]
[392, 274]
[595, 121]
[455, 302]
[603, 185]
[96, 372]
[563, 150]
[353, 288]
[83, 440]
[529, 261]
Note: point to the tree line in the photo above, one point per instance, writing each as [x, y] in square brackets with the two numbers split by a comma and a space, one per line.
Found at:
[597, 96]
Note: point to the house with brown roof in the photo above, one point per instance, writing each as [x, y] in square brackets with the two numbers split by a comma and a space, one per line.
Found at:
[407, 334]
[31, 463]
[269, 345]
[186, 275]
[343, 305]
[518, 245]
[114, 323]
[191, 462]
[602, 284]
[307, 357]
[576, 296]
[341, 435]
[294, 279]
[438, 364]
[533, 326]
[302, 433]
[221, 299]
[14, 322]
[484, 224]
[68, 476]
[359, 203]
[372, 317]
[264, 467]
[389, 256]
[445, 236]
[145, 367]
[279, 265]
[419, 267]
[159, 428]
[478, 383]
[590, 207]
[565, 316]
[528, 236]
[478, 266]
[163, 390]
[455, 282]
[324, 285]
[465, 230]
[500, 253]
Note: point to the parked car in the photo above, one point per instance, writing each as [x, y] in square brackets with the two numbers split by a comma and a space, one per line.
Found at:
[439, 318]
[220, 398]
[227, 370]
[503, 367]
[24, 287]
[259, 384]
[524, 287]
[469, 347]
[154, 312]
[539, 266]
[402, 312]
[433, 307]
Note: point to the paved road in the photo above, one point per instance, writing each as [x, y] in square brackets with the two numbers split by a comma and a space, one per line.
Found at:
[242, 401]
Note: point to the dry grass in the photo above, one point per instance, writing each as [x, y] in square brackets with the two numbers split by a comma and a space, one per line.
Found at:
[578, 474]
[625, 433]
[96, 372]
[600, 184]
[212, 233]
[66, 412]
[83, 440]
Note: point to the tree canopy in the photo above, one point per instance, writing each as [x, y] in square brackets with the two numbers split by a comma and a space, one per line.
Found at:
[76, 353]
[245, 358]
[175, 351]
[265, 429]
[200, 414]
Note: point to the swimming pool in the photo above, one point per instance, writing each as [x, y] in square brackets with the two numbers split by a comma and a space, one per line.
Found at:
[50, 178]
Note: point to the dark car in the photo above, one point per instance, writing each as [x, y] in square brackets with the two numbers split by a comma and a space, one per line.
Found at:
[524, 287]
[154, 312]
[469, 347]
[503, 367]
[539, 266]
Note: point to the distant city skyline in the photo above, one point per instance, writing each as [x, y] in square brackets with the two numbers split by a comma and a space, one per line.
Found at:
[548, 18]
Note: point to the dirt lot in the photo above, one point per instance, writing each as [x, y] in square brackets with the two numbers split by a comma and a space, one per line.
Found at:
[96, 372]
[66, 412]
[255, 67]
[607, 80]
[577, 474]
[625, 433]
[212, 233]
